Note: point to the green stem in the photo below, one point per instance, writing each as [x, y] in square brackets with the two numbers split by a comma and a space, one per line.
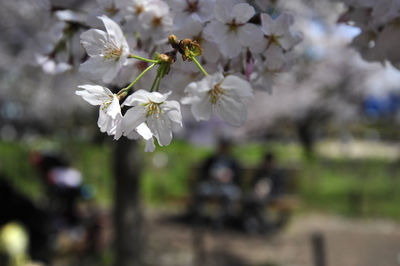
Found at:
[138, 77]
[158, 82]
[142, 58]
[154, 83]
[199, 66]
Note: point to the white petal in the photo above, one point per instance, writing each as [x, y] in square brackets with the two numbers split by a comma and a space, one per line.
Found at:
[274, 58]
[223, 10]
[216, 31]
[100, 69]
[202, 110]
[104, 121]
[282, 23]
[210, 51]
[94, 41]
[161, 128]
[113, 30]
[114, 109]
[289, 40]
[243, 12]
[150, 147]
[191, 88]
[133, 118]
[144, 131]
[231, 109]
[230, 46]
[138, 97]
[94, 94]
[157, 97]
[267, 24]
[214, 79]
[251, 36]
[241, 87]
[108, 124]
[173, 110]
[133, 135]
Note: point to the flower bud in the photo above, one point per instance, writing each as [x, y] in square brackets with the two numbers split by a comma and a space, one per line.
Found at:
[163, 57]
[173, 40]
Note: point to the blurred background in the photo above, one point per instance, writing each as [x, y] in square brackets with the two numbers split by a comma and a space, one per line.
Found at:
[312, 177]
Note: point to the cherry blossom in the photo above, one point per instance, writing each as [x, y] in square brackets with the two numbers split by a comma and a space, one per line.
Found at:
[109, 111]
[219, 94]
[152, 108]
[174, 43]
[50, 66]
[231, 31]
[194, 29]
[201, 11]
[108, 51]
[156, 22]
[378, 21]
[280, 38]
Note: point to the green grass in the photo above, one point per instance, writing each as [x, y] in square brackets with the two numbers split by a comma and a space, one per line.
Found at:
[357, 187]
[15, 167]
[367, 188]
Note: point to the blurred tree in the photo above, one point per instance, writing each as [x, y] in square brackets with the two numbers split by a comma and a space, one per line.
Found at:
[128, 217]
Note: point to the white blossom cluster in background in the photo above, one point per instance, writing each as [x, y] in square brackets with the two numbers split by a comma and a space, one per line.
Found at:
[379, 22]
[151, 56]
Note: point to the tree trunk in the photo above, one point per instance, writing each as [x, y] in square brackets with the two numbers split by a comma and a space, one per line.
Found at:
[306, 137]
[128, 219]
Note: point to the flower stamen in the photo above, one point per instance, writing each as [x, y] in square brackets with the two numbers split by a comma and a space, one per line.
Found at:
[192, 7]
[157, 21]
[139, 9]
[106, 104]
[233, 26]
[113, 52]
[215, 93]
[153, 108]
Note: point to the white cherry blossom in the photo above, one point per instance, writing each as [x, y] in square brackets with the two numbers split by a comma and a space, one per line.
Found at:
[193, 29]
[231, 31]
[153, 109]
[199, 10]
[108, 51]
[223, 95]
[50, 66]
[156, 21]
[109, 112]
[278, 31]
[280, 40]
[131, 10]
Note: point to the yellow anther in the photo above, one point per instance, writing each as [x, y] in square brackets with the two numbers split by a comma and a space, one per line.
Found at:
[215, 93]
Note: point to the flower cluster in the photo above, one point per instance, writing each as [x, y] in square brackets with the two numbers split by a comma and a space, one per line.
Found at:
[241, 47]
[380, 28]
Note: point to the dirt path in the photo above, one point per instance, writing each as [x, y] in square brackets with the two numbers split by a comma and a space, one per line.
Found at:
[348, 243]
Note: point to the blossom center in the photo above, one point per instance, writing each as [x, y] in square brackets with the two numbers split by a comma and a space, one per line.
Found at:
[153, 108]
[192, 7]
[233, 26]
[215, 93]
[157, 21]
[112, 10]
[273, 39]
[113, 52]
[107, 103]
[139, 9]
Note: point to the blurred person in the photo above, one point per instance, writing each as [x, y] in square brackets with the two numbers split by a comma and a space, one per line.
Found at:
[267, 185]
[35, 220]
[220, 181]
[79, 227]
[63, 185]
